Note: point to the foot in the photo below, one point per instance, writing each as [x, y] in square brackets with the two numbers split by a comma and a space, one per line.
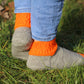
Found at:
[21, 42]
[62, 58]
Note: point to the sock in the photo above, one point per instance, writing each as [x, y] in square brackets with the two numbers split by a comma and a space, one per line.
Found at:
[22, 20]
[82, 55]
[43, 48]
[22, 39]
[62, 58]
[19, 53]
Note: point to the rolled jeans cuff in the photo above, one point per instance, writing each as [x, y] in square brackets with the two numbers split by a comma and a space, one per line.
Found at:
[22, 6]
[48, 38]
[22, 10]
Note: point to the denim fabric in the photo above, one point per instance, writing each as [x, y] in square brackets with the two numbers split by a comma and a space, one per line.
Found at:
[22, 6]
[45, 17]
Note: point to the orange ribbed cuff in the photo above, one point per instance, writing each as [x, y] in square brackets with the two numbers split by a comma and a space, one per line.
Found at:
[43, 48]
[82, 55]
[22, 20]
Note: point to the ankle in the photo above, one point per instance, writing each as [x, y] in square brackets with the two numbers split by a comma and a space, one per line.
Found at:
[22, 20]
[43, 48]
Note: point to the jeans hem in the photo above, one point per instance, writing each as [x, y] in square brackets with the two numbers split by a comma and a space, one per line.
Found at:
[43, 39]
[24, 10]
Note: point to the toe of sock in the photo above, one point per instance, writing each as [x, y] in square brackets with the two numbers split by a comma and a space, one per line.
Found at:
[72, 57]
[66, 58]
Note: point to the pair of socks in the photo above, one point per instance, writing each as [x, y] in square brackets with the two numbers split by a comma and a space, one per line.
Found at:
[42, 55]
[22, 38]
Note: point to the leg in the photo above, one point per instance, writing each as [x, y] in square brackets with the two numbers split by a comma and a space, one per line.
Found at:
[22, 39]
[44, 53]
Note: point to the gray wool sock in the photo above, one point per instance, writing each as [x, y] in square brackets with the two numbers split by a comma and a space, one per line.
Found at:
[21, 41]
[62, 58]
[23, 55]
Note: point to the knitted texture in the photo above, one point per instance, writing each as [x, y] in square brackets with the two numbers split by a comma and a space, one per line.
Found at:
[62, 58]
[21, 42]
[43, 48]
[22, 20]
[82, 55]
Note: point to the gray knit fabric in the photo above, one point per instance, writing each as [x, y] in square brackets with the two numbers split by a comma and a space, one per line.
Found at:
[62, 58]
[23, 55]
[20, 42]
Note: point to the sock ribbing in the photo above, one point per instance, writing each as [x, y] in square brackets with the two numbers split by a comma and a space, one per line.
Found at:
[22, 20]
[43, 48]
[82, 55]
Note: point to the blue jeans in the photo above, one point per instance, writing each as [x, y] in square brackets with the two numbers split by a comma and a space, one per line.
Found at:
[22, 6]
[45, 16]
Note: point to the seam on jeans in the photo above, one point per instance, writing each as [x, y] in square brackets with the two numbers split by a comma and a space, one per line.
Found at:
[44, 39]
[22, 8]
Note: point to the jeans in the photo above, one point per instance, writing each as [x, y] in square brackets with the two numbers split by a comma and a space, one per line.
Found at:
[22, 6]
[45, 16]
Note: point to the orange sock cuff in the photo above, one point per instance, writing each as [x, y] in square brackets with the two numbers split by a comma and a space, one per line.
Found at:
[82, 55]
[43, 48]
[22, 20]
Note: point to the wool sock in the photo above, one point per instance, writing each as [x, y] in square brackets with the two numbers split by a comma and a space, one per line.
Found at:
[19, 53]
[46, 55]
[43, 48]
[22, 20]
[21, 39]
